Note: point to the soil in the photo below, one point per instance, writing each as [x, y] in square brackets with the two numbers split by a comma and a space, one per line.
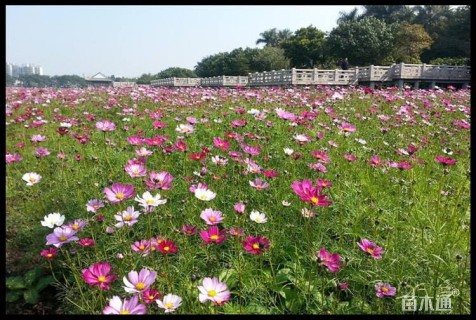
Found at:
[48, 306]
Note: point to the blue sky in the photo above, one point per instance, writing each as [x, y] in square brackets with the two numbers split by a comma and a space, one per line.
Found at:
[127, 41]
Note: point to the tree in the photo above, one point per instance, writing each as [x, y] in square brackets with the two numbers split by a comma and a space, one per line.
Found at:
[9, 81]
[433, 18]
[176, 72]
[145, 78]
[410, 41]
[390, 13]
[305, 48]
[363, 42]
[274, 37]
[269, 58]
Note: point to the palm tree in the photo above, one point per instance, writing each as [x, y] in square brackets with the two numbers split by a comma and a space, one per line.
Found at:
[284, 35]
[348, 16]
[268, 37]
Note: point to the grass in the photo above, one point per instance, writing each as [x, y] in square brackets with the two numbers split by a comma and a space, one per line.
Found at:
[419, 216]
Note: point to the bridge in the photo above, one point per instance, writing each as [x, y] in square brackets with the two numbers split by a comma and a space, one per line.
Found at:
[396, 74]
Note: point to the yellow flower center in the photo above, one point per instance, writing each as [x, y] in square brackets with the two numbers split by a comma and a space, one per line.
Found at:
[166, 248]
[125, 312]
[212, 293]
[212, 219]
[101, 278]
[32, 179]
[75, 227]
[203, 197]
[142, 247]
[258, 219]
[149, 201]
[49, 255]
[95, 206]
[255, 246]
[120, 195]
[315, 200]
[63, 238]
[370, 250]
[384, 289]
[128, 218]
[169, 305]
[140, 286]
[214, 237]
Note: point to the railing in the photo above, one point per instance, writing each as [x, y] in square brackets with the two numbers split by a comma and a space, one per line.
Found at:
[176, 82]
[123, 84]
[224, 81]
[294, 76]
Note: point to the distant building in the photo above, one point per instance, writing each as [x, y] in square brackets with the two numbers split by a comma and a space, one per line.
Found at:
[99, 80]
[15, 70]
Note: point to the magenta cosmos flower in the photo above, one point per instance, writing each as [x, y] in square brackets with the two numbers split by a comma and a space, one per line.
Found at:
[214, 290]
[259, 184]
[50, 253]
[212, 217]
[138, 282]
[384, 289]
[446, 161]
[347, 127]
[371, 248]
[99, 275]
[220, 143]
[128, 306]
[239, 207]
[255, 245]
[105, 125]
[330, 260]
[167, 247]
[119, 192]
[189, 229]
[308, 193]
[213, 235]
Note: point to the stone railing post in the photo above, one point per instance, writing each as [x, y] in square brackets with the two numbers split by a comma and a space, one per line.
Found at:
[402, 66]
[422, 73]
[371, 72]
[356, 76]
[293, 76]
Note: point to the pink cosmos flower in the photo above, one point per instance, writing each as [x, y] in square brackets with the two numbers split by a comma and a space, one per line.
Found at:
[41, 152]
[94, 205]
[446, 161]
[371, 248]
[375, 161]
[255, 245]
[105, 125]
[189, 229]
[135, 140]
[127, 217]
[259, 184]
[318, 166]
[212, 217]
[159, 180]
[213, 235]
[220, 143]
[99, 275]
[384, 289]
[119, 192]
[270, 173]
[180, 146]
[11, 158]
[143, 152]
[350, 157]
[324, 183]
[142, 246]
[251, 150]
[331, 261]
[128, 306]
[239, 207]
[139, 282]
[321, 156]
[38, 138]
[308, 193]
[135, 170]
[60, 236]
[214, 290]
[347, 127]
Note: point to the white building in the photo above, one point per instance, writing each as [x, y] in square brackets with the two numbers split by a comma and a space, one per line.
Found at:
[15, 70]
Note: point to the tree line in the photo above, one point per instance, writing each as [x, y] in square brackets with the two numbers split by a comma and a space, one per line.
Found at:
[381, 35]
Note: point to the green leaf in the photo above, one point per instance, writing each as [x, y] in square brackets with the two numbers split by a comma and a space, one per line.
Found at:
[31, 276]
[13, 296]
[44, 282]
[14, 283]
[31, 296]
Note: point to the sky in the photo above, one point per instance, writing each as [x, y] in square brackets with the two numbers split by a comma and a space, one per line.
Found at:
[128, 41]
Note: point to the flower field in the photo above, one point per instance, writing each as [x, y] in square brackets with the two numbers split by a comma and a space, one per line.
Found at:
[240, 201]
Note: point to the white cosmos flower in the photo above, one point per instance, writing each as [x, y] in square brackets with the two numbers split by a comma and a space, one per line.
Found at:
[148, 200]
[53, 219]
[286, 203]
[288, 151]
[184, 128]
[258, 217]
[204, 194]
[170, 302]
[31, 178]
